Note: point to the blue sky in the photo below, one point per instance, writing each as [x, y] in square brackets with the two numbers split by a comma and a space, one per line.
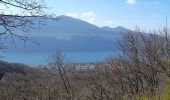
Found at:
[128, 13]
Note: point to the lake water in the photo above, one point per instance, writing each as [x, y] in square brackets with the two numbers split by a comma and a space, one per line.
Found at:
[42, 58]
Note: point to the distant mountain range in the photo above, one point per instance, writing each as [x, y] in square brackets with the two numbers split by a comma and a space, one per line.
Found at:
[70, 34]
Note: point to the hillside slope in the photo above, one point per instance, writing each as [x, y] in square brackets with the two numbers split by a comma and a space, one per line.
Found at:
[70, 34]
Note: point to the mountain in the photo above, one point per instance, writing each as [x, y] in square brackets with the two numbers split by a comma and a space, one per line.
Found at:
[70, 34]
[14, 68]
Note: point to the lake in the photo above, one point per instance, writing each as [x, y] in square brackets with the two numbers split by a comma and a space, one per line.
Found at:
[42, 58]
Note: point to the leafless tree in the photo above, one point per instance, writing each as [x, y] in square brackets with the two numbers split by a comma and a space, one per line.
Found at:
[57, 65]
[17, 17]
[140, 67]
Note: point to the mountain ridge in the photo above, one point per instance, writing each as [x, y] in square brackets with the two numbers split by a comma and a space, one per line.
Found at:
[71, 34]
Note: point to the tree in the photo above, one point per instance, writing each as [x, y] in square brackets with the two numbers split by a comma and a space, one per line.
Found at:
[140, 68]
[17, 17]
[1, 75]
[57, 65]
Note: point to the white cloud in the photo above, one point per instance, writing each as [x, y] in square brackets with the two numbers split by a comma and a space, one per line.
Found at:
[109, 22]
[74, 15]
[91, 20]
[102, 23]
[89, 17]
[131, 2]
[88, 14]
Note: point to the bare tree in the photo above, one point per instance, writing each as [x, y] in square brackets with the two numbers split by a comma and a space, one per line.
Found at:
[17, 17]
[140, 67]
[57, 65]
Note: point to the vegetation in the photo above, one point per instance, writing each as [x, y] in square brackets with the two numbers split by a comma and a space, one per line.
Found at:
[139, 72]
[14, 23]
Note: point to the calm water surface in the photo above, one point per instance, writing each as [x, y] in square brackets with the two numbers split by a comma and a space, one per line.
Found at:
[42, 58]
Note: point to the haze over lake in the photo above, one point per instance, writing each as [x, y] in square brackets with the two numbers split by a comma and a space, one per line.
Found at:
[81, 41]
[70, 57]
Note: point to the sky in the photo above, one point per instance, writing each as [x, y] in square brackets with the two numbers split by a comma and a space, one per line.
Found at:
[149, 14]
